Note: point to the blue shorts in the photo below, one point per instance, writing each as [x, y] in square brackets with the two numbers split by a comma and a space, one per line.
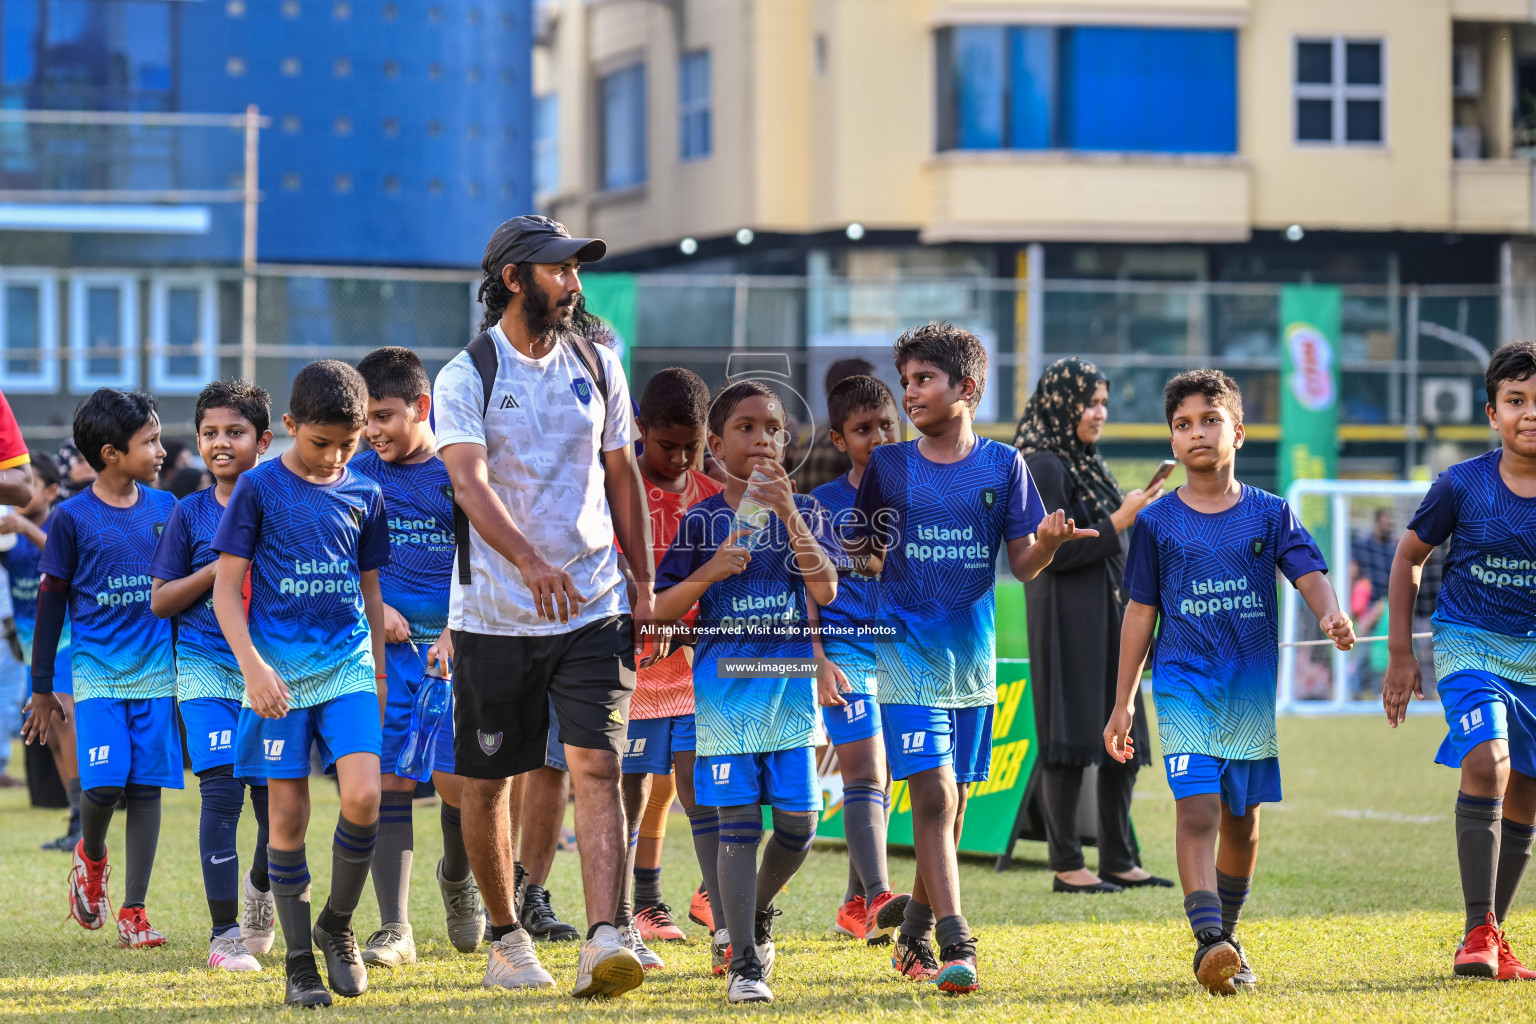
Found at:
[123, 741]
[859, 719]
[918, 738]
[1480, 706]
[278, 748]
[403, 671]
[63, 674]
[651, 742]
[212, 723]
[554, 750]
[785, 779]
[1241, 784]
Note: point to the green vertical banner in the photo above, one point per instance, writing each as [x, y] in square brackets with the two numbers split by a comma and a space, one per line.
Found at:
[612, 297]
[1309, 384]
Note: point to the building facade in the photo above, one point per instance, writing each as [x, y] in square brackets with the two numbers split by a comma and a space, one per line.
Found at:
[398, 132]
[1130, 179]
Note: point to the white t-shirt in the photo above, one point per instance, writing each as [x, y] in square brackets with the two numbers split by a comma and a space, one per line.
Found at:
[544, 432]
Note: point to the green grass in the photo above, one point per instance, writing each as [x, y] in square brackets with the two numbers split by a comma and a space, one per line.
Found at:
[1354, 916]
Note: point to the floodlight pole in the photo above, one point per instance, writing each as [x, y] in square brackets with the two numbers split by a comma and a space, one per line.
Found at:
[248, 248]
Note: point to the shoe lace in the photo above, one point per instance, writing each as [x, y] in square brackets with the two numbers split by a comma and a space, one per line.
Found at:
[344, 944]
[519, 954]
[464, 902]
[259, 914]
[918, 952]
[959, 951]
[657, 914]
[303, 972]
[536, 904]
[751, 968]
[763, 930]
[386, 937]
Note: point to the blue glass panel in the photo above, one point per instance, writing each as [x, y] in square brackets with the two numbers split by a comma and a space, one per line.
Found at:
[979, 62]
[623, 98]
[1032, 87]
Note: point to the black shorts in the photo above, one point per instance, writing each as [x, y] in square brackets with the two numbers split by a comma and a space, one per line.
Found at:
[503, 687]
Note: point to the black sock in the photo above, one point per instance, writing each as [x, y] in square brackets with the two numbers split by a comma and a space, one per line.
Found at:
[259, 877]
[501, 931]
[741, 831]
[951, 931]
[647, 887]
[455, 856]
[72, 789]
[218, 822]
[626, 911]
[705, 824]
[351, 855]
[1514, 855]
[1203, 908]
[865, 828]
[1477, 853]
[784, 853]
[290, 888]
[140, 842]
[1234, 893]
[392, 856]
[593, 930]
[96, 810]
[918, 921]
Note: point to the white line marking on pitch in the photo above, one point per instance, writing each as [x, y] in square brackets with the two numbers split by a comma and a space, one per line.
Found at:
[1370, 814]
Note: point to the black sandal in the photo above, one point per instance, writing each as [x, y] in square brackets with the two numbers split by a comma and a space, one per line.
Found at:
[1151, 881]
[1057, 885]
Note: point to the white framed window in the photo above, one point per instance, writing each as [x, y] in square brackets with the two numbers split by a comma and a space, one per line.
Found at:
[693, 119]
[621, 98]
[103, 328]
[1340, 91]
[29, 331]
[546, 144]
[183, 333]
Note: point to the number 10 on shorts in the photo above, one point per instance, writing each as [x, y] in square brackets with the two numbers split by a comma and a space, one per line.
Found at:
[273, 748]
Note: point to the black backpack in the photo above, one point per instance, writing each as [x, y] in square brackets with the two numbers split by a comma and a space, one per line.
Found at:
[482, 354]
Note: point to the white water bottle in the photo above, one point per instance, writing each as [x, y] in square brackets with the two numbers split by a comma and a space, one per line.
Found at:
[752, 514]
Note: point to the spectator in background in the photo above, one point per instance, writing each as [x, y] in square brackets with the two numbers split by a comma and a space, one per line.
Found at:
[1373, 553]
[187, 480]
[825, 462]
[75, 474]
[178, 456]
[15, 476]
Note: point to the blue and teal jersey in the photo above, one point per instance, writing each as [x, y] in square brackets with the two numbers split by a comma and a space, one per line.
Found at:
[856, 606]
[119, 648]
[943, 526]
[308, 545]
[1211, 577]
[749, 615]
[417, 579]
[1485, 615]
[205, 666]
[21, 567]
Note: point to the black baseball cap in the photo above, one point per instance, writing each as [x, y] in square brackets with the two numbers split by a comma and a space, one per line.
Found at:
[534, 239]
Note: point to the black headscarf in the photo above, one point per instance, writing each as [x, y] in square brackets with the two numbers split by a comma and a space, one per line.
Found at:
[1050, 424]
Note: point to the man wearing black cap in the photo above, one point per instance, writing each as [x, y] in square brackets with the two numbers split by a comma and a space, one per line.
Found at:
[543, 470]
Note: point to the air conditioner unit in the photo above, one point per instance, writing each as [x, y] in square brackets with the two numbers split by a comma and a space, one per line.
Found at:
[1467, 71]
[1445, 399]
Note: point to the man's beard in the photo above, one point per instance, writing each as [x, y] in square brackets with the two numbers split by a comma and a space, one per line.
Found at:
[543, 319]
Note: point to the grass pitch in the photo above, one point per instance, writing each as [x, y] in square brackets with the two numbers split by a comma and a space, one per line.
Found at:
[1355, 913]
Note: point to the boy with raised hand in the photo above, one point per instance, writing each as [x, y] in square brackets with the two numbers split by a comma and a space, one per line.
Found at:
[403, 461]
[30, 524]
[232, 420]
[861, 415]
[1201, 569]
[931, 517]
[1485, 659]
[312, 534]
[755, 734]
[674, 411]
[96, 568]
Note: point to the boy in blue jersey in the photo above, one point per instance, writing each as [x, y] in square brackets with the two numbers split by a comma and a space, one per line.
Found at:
[1203, 561]
[931, 518]
[755, 733]
[30, 524]
[403, 461]
[1485, 657]
[95, 567]
[861, 415]
[232, 420]
[312, 535]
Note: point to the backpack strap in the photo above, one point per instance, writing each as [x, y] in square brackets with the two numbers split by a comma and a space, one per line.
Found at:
[482, 354]
[592, 363]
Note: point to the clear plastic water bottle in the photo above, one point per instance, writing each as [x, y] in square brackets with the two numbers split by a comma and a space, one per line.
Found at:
[752, 514]
[433, 703]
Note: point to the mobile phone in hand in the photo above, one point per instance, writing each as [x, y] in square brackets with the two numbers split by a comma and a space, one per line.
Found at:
[1162, 474]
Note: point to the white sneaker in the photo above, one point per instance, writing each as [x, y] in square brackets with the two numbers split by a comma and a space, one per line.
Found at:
[514, 965]
[607, 966]
[749, 985]
[719, 952]
[228, 953]
[766, 953]
[647, 956]
[258, 918]
[764, 944]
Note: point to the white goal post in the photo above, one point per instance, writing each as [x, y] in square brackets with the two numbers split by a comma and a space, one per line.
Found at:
[1337, 549]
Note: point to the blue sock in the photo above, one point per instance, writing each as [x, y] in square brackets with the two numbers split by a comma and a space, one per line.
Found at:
[217, 824]
[1203, 908]
[1233, 891]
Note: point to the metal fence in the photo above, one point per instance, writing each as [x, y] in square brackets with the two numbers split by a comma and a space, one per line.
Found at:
[65, 331]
